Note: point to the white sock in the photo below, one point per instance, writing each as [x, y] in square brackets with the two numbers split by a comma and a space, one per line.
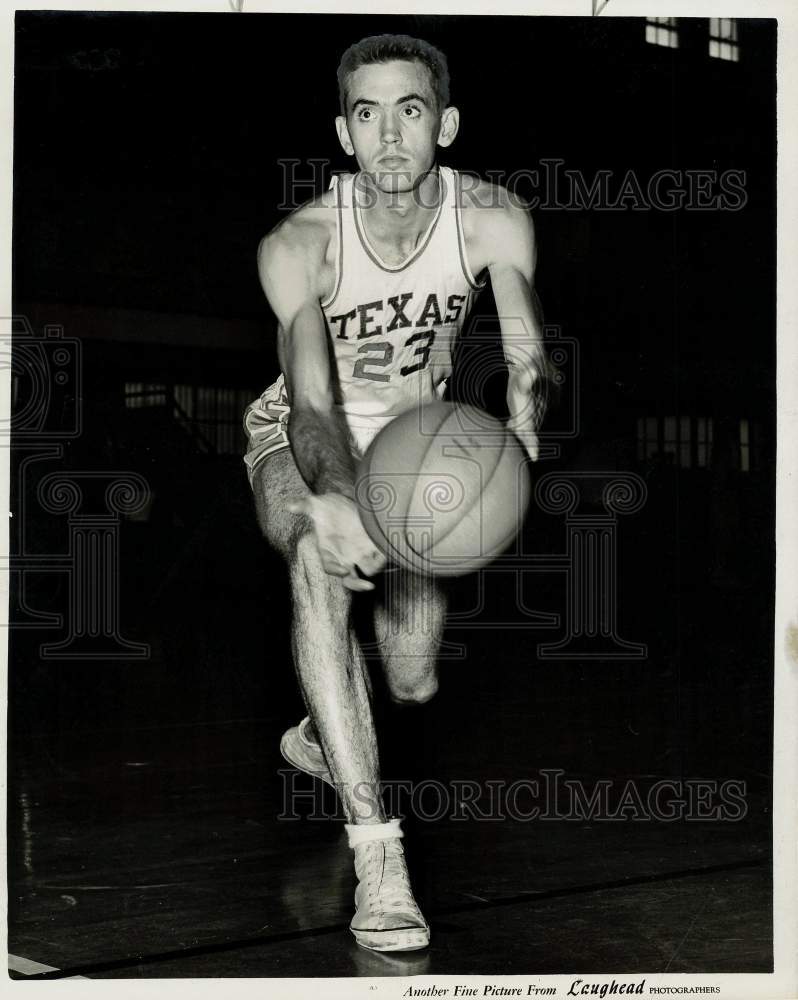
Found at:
[361, 833]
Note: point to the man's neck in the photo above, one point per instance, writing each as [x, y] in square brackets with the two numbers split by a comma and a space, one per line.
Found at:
[400, 213]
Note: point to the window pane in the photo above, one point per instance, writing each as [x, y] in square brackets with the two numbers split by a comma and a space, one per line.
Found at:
[651, 429]
[184, 398]
[670, 429]
[723, 39]
[745, 448]
[662, 31]
[684, 455]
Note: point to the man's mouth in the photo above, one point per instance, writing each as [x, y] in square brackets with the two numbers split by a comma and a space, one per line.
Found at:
[392, 162]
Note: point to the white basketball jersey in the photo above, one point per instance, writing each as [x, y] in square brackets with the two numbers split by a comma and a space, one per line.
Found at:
[393, 327]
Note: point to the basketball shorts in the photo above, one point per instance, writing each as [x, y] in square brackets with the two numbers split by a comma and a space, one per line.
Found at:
[266, 425]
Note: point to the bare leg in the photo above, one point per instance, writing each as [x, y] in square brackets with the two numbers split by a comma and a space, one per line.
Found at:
[409, 622]
[332, 673]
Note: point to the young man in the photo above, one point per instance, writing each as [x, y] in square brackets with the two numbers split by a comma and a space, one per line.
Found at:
[371, 283]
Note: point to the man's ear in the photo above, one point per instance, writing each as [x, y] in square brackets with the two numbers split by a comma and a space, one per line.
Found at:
[450, 124]
[343, 135]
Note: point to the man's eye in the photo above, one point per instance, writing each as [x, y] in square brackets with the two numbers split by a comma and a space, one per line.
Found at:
[365, 114]
[410, 111]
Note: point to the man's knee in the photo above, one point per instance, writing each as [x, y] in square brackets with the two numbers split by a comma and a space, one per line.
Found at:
[414, 692]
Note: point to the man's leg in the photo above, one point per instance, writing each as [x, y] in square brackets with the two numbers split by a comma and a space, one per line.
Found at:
[409, 620]
[333, 679]
[332, 673]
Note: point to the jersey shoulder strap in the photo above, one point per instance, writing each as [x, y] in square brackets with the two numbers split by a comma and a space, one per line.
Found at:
[339, 184]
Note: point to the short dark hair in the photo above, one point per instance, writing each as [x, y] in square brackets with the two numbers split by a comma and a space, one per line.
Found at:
[387, 48]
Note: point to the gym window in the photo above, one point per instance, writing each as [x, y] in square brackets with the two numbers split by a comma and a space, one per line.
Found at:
[703, 441]
[723, 42]
[647, 438]
[685, 442]
[211, 415]
[139, 394]
[745, 446]
[662, 31]
[214, 414]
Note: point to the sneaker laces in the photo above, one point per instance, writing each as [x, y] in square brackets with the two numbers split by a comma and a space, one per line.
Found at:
[386, 873]
[396, 892]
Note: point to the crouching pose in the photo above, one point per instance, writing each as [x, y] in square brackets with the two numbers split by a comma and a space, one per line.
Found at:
[371, 283]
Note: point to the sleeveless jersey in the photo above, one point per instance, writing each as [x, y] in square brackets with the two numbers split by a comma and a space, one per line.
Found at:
[392, 328]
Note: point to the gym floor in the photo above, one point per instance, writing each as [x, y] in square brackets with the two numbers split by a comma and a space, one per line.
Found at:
[148, 802]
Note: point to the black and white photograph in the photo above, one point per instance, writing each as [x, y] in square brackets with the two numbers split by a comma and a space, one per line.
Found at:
[391, 458]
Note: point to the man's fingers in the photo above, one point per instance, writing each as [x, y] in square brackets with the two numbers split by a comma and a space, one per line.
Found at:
[333, 565]
[343, 546]
[352, 582]
[348, 574]
[372, 562]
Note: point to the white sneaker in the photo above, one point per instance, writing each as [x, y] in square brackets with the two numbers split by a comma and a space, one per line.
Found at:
[304, 753]
[387, 917]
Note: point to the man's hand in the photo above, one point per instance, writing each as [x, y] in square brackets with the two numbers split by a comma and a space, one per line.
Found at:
[341, 539]
[505, 240]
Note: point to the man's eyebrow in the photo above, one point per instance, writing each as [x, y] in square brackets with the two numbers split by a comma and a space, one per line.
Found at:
[401, 100]
[412, 97]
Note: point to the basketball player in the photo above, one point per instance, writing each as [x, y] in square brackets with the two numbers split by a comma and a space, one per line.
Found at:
[371, 283]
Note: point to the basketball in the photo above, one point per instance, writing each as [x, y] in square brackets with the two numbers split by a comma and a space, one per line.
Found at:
[443, 489]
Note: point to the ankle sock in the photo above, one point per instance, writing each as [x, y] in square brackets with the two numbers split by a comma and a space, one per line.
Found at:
[362, 833]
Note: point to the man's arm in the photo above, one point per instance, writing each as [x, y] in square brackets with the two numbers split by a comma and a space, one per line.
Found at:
[511, 252]
[289, 268]
[289, 264]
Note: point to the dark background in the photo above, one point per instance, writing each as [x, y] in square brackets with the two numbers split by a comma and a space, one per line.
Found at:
[146, 171]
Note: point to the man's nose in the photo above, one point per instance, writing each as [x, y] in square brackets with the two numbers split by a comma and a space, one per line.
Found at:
[390, 129]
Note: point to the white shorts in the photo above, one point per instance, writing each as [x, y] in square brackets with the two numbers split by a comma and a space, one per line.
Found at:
[266, 425]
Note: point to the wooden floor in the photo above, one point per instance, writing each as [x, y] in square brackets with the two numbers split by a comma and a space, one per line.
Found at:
[145, 837]
[158, 852]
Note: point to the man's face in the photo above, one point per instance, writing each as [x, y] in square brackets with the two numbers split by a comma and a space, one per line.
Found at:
[392, 123]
